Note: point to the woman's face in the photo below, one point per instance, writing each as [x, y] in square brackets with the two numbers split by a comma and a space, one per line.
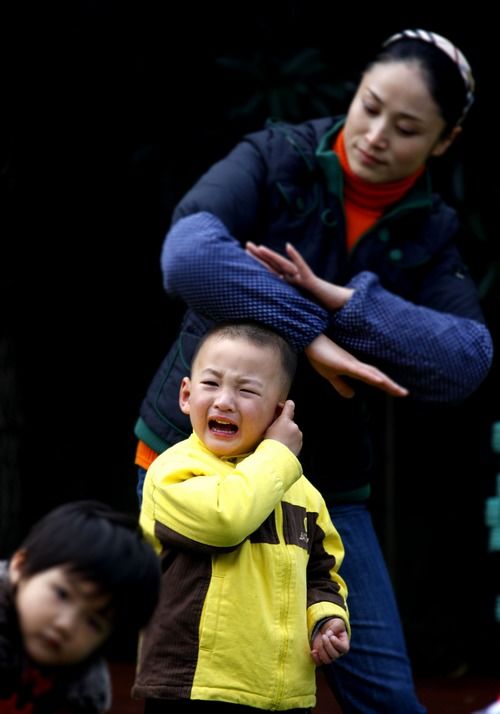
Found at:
[393, 124]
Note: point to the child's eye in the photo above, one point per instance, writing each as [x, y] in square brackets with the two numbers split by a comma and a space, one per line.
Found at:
[249, 391]
[61, 592]
[98, 624]
[209, 383]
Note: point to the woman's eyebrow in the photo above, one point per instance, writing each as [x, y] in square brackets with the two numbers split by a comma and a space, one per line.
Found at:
[405, 115]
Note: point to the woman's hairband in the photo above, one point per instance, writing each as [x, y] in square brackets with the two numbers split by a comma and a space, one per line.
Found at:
[448, 48]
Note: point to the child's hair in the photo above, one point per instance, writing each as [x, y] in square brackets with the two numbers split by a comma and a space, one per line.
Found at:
[103, 546]
[258, 334]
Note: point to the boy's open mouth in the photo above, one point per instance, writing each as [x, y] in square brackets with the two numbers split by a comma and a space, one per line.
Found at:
[220, 426]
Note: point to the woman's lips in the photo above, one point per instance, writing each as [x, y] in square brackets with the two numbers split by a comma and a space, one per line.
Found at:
[367, 158]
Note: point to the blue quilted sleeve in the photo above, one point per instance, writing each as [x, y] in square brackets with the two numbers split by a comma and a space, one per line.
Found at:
[208, 268]
[437, 356]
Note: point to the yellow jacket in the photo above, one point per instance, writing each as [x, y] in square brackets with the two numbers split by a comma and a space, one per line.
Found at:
[250, 560]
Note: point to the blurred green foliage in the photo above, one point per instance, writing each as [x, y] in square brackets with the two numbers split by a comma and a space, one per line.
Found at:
[290, 88]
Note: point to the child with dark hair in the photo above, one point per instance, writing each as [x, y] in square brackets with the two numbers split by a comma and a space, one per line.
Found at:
[83, 571]
[251, 599]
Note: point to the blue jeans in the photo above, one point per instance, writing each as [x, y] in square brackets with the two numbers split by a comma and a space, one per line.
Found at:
[375, 676]
[141, 475]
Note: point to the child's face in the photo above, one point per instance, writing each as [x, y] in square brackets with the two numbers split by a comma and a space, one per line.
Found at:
[233, 394]
[63, 618]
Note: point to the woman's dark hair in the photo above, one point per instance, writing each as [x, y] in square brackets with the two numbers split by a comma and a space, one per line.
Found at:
[441, 74]
[102, 545]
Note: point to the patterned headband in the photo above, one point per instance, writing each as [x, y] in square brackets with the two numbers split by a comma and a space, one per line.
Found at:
[448, 48]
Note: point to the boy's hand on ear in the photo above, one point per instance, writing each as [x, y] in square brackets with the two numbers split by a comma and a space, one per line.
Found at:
[285, 430]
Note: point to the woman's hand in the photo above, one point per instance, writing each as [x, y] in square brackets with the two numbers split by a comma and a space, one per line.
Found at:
[333, 363]
[296, 271]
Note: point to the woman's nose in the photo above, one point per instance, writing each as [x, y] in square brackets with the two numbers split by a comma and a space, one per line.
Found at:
[376, 134]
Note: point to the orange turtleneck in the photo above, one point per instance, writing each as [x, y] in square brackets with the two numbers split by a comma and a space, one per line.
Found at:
[365, 202]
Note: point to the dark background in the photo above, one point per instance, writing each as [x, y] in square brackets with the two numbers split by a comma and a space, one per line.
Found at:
[110, 112]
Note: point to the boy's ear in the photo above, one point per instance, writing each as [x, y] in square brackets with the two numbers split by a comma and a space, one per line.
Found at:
[184, 395]
[16, 566]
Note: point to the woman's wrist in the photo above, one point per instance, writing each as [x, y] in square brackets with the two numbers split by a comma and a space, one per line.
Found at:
[332, 296]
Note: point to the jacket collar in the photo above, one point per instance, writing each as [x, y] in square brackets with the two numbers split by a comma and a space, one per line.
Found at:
[194, 438]
[419, 197]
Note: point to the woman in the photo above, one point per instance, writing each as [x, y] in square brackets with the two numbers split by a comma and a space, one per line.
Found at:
[374, 290]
